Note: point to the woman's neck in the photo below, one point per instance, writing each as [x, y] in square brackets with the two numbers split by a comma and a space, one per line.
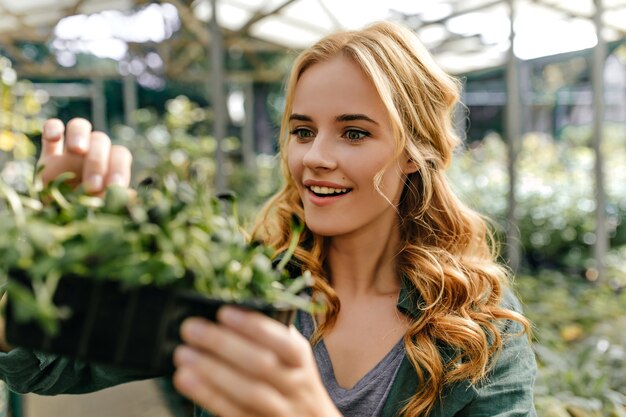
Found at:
[364, 264]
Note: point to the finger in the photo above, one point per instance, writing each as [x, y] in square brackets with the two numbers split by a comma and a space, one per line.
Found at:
[120, 162]
[96, 162]
[289, 346]
[77, 136]
[52, 138]
[55, 165]
[236, 350]
[242, 391]
[208, 397]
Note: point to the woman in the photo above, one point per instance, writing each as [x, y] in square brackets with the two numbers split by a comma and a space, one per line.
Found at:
[419, 320]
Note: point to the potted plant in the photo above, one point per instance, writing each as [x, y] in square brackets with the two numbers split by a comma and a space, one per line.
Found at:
[110, 279]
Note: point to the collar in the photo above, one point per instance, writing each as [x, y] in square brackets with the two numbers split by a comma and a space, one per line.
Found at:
[410, 301]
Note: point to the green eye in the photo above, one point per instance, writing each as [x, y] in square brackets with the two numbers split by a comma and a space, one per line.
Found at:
[302, 133]
[355, 135]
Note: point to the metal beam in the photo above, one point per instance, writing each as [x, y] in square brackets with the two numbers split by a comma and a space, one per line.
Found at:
[65, 90]
[336, 23]
[191, 23]
[130, 100]
[219, 98]
[454, 14]
[98, 105]
[247, 132]
[601, 245]
[513, 133]
[448, 43]
[262, 15]
[72, 10]
[268, 75]
[570, 13]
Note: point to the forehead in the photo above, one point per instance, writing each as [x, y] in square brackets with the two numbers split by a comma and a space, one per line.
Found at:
[337, 85]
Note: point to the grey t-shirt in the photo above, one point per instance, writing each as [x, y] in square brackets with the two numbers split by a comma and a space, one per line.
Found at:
[367, 397]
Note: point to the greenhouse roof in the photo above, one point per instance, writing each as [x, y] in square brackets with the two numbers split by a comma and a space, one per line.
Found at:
[464, 35]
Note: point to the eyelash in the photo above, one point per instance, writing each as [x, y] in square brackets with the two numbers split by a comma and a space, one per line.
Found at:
[362, 134]
[299, 130]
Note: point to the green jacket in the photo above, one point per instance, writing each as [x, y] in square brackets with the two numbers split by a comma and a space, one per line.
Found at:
[506, 392]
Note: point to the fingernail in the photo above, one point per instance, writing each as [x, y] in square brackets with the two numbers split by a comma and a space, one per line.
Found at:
[117, 179]
[81, 143]
[51, 131]
[192, 329]
[231, 315]
[185, 356]
[93, 184]
[186, 379]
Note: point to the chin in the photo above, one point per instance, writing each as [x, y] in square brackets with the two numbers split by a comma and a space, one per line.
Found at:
[325, 229]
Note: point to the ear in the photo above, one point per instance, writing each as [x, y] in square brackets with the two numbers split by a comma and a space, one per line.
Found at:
[409, 166]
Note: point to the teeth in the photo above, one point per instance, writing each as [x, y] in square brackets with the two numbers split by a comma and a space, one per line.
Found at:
[327, 190]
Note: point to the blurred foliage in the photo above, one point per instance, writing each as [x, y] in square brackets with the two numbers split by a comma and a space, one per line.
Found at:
[579, 322]
[580, 345]
[555, 196]
[180, 142]
[20, 119]
[20, 108]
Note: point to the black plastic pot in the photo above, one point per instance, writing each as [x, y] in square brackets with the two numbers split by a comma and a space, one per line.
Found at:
[134, 328]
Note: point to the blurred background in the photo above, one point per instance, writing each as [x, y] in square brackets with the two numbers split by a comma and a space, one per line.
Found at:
[196, 86]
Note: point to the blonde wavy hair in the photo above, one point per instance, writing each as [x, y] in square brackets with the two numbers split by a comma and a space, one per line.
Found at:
[446, 250]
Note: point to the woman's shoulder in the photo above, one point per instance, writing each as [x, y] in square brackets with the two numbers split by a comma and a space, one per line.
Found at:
[510, 301]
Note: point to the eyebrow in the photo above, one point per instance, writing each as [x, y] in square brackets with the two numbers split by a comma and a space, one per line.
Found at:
[353, 117]
[340, 118]
[301, 117]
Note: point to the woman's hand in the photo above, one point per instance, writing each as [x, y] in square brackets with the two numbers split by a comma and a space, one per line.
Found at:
[249, 365]
[88, 154]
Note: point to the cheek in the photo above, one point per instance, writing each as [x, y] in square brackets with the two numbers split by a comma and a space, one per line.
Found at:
[392, 183]
[371, 168]
[294, 162]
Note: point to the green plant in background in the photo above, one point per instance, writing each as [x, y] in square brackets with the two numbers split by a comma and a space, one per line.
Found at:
[20, 115]
[20, 118]
[580, 345]
[180, 142]
[579, 323]
[177, 142]
[554, 197]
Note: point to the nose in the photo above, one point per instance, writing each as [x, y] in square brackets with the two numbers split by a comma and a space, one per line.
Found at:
[320, 154]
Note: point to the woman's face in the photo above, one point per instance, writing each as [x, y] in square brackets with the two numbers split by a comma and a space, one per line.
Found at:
[341, 137]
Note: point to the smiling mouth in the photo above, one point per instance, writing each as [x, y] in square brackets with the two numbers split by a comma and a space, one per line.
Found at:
[328, 191]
